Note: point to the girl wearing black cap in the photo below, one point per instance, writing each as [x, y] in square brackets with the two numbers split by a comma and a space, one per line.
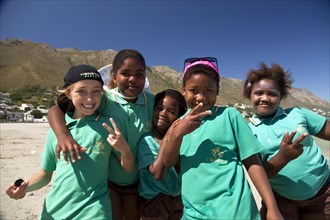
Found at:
[79, 189]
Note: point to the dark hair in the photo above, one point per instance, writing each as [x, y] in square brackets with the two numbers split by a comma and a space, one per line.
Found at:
[119, 59]
[276, 73]
[175, 95]
[201, 69]
[64, 103]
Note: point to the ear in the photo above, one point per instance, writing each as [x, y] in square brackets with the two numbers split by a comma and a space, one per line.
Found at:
[68, 94]
[114, 78]
[183, 90]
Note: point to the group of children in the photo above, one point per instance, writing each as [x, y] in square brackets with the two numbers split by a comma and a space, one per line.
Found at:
[179, 155]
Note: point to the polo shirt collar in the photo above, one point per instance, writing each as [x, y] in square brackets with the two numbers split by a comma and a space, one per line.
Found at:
[141, 99]
[72, 122]
[256, 121]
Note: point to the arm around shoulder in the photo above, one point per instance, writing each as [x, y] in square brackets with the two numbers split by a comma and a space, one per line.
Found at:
[65, 142]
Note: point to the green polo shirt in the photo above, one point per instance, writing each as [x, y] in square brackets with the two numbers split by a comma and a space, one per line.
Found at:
[137, 116]
[149, 187]
[80, 189]
[303, 177]
[214, 185]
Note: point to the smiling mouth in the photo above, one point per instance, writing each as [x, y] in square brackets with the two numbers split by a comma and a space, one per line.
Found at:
[88, 106]
[264, 105]
[162, 119]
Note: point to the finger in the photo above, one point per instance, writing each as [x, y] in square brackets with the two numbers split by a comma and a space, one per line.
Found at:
[203, 114]
[58, 151]
[65, 156]
[176, 122]
[285, 137]
[108, 128]
[21, 187]
[72, 154]
[10, 189]
[77, 150]
[83, 149]
[114, 125]
[291, 136]
[300, 139]
[111, 142]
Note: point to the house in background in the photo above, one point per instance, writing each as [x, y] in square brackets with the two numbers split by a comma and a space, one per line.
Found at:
[25, 105]
[15, 116]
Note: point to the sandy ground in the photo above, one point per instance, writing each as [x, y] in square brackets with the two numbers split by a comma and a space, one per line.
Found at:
[21, 145]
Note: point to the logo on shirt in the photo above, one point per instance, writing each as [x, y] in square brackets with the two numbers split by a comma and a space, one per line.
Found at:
[99, 147]
[217, 156]
[147, 126]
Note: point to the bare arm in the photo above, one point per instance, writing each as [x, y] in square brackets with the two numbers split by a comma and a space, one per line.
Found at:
[288, 151]
[118, 142]
[324, 133]
[37, 181]
[157, 168]
[65, 141]
[260, 180]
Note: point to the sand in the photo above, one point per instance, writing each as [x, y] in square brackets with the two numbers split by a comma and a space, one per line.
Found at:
[21, 146]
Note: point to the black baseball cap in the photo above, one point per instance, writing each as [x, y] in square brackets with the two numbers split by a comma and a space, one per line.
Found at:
[81, 72]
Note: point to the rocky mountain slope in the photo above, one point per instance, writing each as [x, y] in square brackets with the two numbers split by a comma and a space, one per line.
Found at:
[26, 63]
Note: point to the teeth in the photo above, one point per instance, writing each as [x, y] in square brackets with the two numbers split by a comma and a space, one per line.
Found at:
[88, 106]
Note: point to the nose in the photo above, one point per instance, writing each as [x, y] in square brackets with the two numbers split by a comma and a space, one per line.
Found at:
[200, 97]
[89, 97]
[132, 79]
[265, 98]
[162, 112]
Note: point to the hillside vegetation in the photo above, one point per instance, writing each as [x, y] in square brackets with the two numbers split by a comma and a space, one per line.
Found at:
[25, 63]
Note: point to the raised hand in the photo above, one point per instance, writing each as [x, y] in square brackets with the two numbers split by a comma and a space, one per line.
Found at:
[116, 138]
[192, 120]
[118, 142]
[17, 192]
[291, 150]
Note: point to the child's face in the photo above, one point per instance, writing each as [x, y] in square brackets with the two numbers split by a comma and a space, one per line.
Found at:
[130, 78]
[200, 88]
[265, 97]
[86, 97]
[165, 113]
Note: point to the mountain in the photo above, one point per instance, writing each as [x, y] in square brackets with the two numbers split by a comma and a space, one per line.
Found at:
[26, 63]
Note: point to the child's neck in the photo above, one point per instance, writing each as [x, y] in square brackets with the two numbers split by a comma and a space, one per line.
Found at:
[127, 98]
[158, 136]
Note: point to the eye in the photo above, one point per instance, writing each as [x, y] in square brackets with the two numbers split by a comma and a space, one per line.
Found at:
[140, 75]
[209, 90]
[80, 91]
[194, 91]
[158, 108]
[125, 73]
[98, 91]
[258, 92]
[174, 113]
[273, 94]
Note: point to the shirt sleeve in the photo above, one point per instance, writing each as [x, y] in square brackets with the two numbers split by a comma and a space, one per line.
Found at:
[315, 122]
[147, 151]
[48, 155]
[246, 141]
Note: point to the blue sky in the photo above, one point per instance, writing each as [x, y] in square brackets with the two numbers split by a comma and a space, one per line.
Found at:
[240, 34]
